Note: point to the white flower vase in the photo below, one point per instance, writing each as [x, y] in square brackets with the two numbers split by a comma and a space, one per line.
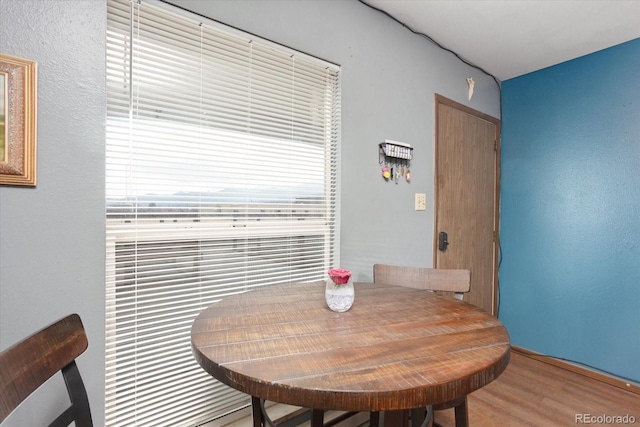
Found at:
[339, 297]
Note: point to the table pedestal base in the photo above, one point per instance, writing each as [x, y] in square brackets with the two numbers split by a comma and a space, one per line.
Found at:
[422, 417]
[315, 416]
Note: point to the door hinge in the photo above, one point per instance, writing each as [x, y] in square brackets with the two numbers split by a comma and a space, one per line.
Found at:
[494, 236]
[495, 145]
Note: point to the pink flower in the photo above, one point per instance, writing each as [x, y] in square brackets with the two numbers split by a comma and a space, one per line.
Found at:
[339, 276]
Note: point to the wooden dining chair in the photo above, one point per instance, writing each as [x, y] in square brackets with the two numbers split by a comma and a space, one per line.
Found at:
[430, 279]
[31, 362]
[457, 281]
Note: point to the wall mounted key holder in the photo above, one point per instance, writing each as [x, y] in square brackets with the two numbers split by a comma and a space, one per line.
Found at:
[395, 159]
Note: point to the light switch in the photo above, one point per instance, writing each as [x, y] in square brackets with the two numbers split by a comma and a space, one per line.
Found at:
[421, 201]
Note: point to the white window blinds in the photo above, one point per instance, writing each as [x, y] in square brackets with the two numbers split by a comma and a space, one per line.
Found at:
[220, 177]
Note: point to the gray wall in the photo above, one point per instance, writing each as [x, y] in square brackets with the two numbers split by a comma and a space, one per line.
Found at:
[52, 237]
[389, 78]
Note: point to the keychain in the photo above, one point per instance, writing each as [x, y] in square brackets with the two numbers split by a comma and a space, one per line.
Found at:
[386, 172]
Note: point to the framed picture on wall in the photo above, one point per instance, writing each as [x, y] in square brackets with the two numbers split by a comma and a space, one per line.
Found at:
[17, 121]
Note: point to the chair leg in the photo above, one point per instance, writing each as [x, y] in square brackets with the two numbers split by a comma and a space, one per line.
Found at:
[256, 410]
[317, 417]
[374, 419]
[462, 415]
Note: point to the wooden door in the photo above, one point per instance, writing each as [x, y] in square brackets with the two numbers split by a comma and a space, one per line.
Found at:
[466, 196]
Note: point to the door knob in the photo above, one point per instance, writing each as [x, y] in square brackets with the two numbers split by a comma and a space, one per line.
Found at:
[443, 241]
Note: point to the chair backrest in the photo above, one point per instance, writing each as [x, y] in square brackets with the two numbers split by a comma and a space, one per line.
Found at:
[433, 279]
[32, 361]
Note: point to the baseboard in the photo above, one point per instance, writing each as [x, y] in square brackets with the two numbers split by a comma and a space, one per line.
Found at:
[611, 380]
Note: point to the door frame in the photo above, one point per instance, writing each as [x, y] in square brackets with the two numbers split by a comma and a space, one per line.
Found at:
[439, 99]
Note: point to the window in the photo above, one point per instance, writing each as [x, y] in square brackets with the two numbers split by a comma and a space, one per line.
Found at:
[220, 177]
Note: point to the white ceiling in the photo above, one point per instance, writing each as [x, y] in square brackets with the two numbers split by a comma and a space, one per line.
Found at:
[509, 38]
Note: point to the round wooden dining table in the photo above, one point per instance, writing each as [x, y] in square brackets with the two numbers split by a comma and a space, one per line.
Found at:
[396, 349]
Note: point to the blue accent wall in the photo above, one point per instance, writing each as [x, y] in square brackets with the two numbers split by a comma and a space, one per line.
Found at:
[570, 219]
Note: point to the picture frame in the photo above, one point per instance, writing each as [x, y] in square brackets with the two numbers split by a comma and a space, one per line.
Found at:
[17, 121]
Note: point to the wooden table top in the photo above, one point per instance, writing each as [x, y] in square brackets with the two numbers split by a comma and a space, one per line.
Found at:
[396, 348]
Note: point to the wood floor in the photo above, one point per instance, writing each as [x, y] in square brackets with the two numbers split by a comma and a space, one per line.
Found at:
[534, 393]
